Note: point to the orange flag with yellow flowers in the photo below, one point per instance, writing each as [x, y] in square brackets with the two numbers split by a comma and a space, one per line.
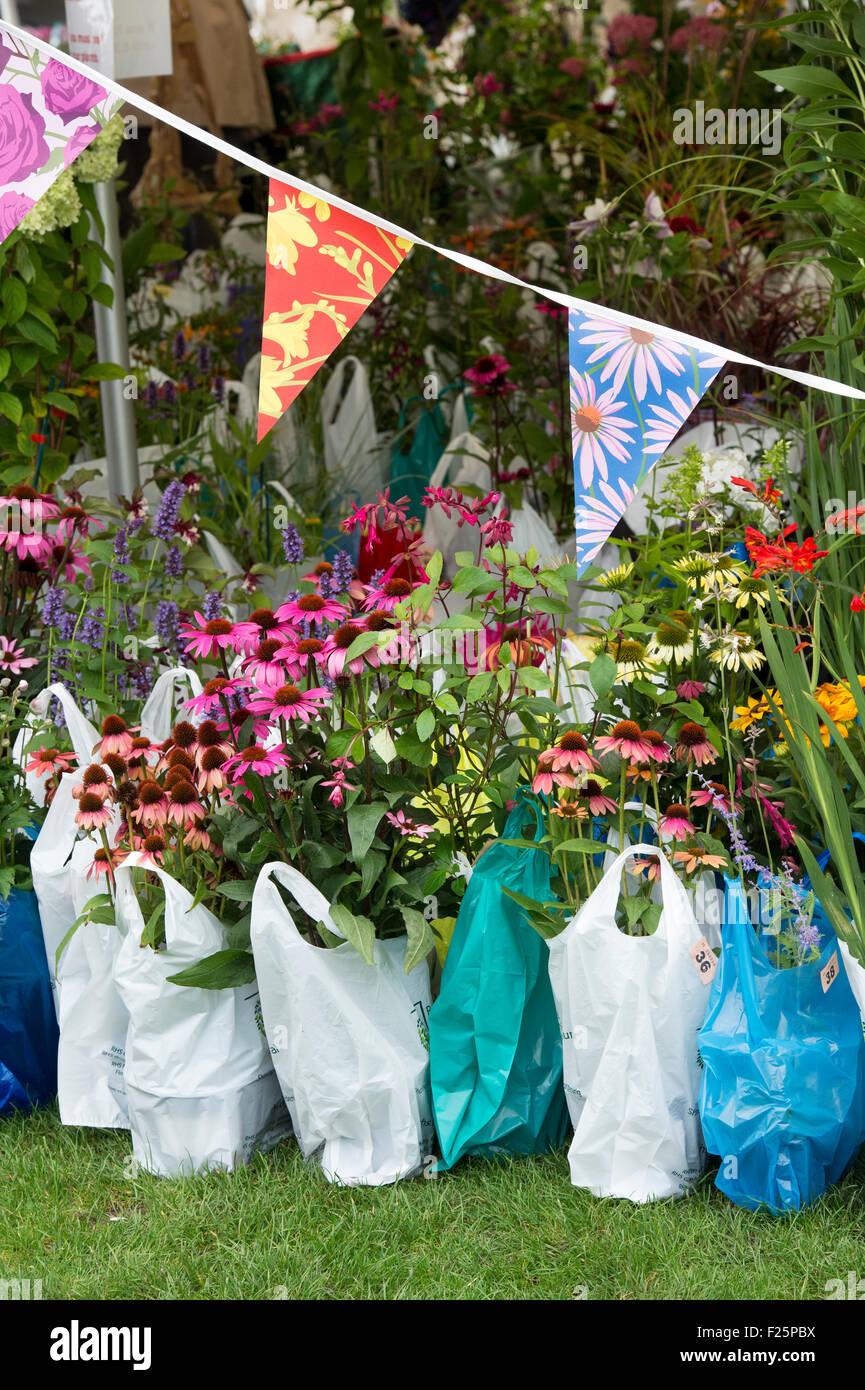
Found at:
[324, 268]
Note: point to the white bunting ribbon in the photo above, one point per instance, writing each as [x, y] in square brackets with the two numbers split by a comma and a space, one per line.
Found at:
[204, 137]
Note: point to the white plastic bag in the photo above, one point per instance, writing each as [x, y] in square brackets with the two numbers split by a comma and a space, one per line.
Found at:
[200, 1083]
[630, 1009]
[353, 453]
[159, 711]
[349, 1040]
[52, 872]
[82, 735]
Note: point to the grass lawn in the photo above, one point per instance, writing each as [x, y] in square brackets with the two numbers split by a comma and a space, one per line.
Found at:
[71, 1217]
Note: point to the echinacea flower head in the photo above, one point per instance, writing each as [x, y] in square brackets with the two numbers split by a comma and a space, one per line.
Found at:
[386, 596]
[591, 794]
[625, 739]
[337, 646]
[151, 848]
[152, 809]
[105, 862]
[485, 370]
[271, 662]
[616, 580]
[406, 826]
[50, 760]
[196, 837]
[211, 776]
[690, 690]
[698, 858]
[732, 650]
[715, 795]
[672, 641]
[12, 657]
[208, 638]
[545, 779]
[184, 805]
[261, 624]
[650, 865]
[676, 823]
[92, 812]
[694, 746]
[264, 761]
[312, 608]
[289, 702]
[571, 753]
[747, 591]
[116, 738]
[659, 749]
[526, 643]
[214, 694]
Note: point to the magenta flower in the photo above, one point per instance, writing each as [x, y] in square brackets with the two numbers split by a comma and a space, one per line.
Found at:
[339, 787]
[92, 813]
[213, 694]
[384, 103]
[311, 608]
[592, 796]
[571, 753]
[486, 370]
[265, 665]
[675, 822]
[264, 761]
[406, 826]
[545, 779]
[208, 638]
[690, 690]
[336, 648]
[287, 702]
[386, 597]
[12, 657]
[497, 531]
[67, 93]
[49, 760]
[627, 741]
[261, 626]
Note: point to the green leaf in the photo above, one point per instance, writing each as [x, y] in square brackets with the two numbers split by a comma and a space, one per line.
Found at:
[807, 81]
[36, 332]
[420, 937]
[534, 678]
[5, 362]
[223, 970]
[239, 890]
[11, 407]
[425, 724]
[356, 929]
[363, 820]
[14, 297]
[479, 685]
[602, 674]
[163, 251]
[105, 371]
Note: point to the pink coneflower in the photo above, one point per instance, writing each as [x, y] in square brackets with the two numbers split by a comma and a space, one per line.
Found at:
[288, 702]
[406, 826]
[93, 779]
[675, 822]
[184, 806]
[627, 741]
[208, 638]
[92, 812]
[105, 862]
[152, 806]
[209, 737]
[196, 838]
[487, 369]
[388, 595]
[336, 647]
[50, 760]
[312, 608]
[659, 750]
[72, 560]
[256, 759]
[151, 848]
[340, 786]
[116, 739]
[23, 514]
[546, 777]
[266, 664]
[75, 521]
[690, 690]
[214, 693]
[591, 795]
[713, 794]
[211, 774]
[651, 867]
[261, 625]
[324, 567]
[693, 743]
[136, 763]
[12, 657]
[571, 752]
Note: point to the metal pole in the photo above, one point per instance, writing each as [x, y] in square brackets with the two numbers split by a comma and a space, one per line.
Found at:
[9, 11]
[112, 345]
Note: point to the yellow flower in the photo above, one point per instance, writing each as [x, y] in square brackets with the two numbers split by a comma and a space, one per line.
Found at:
[288, 228]
[754, 712]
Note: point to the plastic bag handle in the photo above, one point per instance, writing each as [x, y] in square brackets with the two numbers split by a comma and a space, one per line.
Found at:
[82, 733]
[609, 889]
[169, 677]
[514, 823]
[309, 898]
[740, 939]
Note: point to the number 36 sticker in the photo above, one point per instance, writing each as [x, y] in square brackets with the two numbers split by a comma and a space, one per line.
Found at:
[705, 960]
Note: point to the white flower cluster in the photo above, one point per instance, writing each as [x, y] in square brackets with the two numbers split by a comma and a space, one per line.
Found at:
[98, 162]
[59, 206]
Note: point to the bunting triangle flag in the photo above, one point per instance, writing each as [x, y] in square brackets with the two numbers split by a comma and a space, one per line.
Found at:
[324, 268]
[631, 392]
[49, 113]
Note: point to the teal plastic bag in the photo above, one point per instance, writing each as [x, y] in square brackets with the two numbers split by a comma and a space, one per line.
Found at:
[495, 1045]
[783, 1095]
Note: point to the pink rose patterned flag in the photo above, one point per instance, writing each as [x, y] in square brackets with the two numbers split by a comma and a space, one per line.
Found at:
[49, 113]
[324, 267]
[631, 393]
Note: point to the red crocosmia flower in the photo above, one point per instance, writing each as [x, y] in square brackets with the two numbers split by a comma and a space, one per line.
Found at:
[768, 493]
[770, 557]
[857, 604]
[846, 521]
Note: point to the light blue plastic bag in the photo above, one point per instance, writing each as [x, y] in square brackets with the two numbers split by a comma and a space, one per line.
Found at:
[783, 1095]
[495, 1045]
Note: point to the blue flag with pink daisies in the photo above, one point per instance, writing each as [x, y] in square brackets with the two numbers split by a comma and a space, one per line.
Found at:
[631, 392]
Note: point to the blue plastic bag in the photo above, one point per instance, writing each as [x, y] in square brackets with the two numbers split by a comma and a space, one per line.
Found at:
[495, 1045]
[28, 1024]
[783, 1094]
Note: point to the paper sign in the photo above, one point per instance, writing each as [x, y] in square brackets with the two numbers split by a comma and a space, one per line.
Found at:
[121, 38]
[705, 960]
[829, 973]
